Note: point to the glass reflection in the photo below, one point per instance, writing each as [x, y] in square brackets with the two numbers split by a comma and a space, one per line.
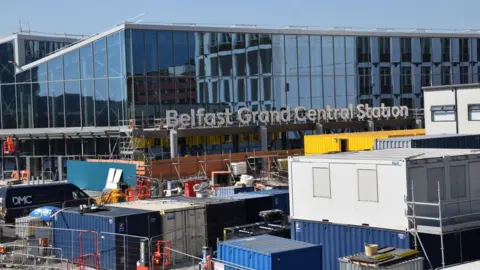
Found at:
[165, 52]
[101, 103]
[100, 58]
[24, 106]
[115, 55]
[88, 109]
[72, 104]
[86, 62]
[55, 104]
[8, 106]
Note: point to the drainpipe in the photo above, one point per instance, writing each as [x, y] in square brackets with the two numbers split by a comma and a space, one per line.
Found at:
[456, 111]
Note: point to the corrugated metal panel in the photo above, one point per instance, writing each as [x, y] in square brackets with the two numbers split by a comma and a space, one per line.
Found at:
[415, 264]
[456, 141]
[109, 225]
[227, 191]
[328, 143]
[271, 253]
[343, 240]
[80, 173]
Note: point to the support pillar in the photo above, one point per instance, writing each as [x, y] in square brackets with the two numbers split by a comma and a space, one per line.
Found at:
[370, 126]
[318, 128]
[418, 123]
[236, 143]
[28, 165]
[284, 140]
[182, 149]
[60, 168]
[263, 138]
[173, 144]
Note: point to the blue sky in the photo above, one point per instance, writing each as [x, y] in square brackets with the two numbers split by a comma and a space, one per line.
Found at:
[94, 16]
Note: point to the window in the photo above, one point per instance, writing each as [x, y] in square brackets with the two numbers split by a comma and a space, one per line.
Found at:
[426, 76]
[407, 102]
[463, 74]
[445, 49]
[367, 186]
[365, 80]
[426, 45]
[458, 182]
[384, 46]
[446, 76]
[385, 80]
[406, 49]
[434, 177]
[388, 102]
[363, 49]
[473, 112]
[321, 183]
[445, 113]
[406, 80]
[464, 50]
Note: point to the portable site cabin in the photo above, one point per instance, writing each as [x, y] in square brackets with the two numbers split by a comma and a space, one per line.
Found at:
[370, 188]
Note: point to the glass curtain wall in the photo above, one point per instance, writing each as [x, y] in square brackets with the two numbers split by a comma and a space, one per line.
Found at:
[82, 88]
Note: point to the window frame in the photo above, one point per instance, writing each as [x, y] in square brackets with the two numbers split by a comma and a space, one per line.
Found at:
[329, 196]
[377, 199]
[443, 109]
[470, 108]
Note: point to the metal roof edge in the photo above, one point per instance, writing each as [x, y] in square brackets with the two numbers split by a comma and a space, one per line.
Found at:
[8, 38]
[71, 48]
[450, 87]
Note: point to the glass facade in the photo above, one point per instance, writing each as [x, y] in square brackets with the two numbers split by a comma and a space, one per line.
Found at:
[143, 73]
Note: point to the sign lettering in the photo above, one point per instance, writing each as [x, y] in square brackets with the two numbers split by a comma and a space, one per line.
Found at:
[300, 114]
[22, 200]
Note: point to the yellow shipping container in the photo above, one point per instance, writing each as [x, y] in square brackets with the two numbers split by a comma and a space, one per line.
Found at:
[345, 142]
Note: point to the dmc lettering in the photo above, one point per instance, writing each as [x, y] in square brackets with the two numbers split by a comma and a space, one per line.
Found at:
[300, 114]
[22, 200]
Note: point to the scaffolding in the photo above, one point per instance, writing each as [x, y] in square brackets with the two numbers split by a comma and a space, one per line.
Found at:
[441, 225]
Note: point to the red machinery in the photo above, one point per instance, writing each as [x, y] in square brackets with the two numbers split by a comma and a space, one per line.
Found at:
[161, 258]
[189, 192]
[10, 147]
[143, 188]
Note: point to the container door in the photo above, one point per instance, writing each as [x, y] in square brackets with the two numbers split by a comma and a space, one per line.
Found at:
[174, 231]
[196, 227]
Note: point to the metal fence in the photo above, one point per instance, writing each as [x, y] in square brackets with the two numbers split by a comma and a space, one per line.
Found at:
[44, 247]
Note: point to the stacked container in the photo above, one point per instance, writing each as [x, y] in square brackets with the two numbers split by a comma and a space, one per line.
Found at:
[270, 253]
[231, 190]
[345, 200]
[454, 141]
[345, 142]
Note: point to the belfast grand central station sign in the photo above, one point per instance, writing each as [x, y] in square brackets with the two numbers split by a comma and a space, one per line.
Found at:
[245, 116]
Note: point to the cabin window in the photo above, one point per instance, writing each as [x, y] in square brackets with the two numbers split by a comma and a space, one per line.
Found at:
[367, 186]
[444, 113]
[321, 183]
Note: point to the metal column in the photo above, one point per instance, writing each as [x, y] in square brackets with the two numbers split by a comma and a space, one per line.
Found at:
[173, 144]
[263, 138]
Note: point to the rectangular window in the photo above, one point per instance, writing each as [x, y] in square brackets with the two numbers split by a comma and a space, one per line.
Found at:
[321, 183]
[473, 112]
[406, 49]
[445, 113]
[407, 102]
[458, 182]
[426, 45]
[463, 74]
[434, 176]
[426, 76]
[363, 49]
[406, 80]
[464, 50]
[367, 186]
[385, 80]
[226, 90]
[446, 76]
[384, 46]
[445, 49]
[365, 80]
[388, 102]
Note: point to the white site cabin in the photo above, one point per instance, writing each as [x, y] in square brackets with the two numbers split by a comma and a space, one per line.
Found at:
[373, 187]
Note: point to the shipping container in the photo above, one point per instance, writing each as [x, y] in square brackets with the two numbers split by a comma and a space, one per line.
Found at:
[280, 199]
[363, 188]
[255, 202]
[345, 142]
[183, 223]
[270, 253]
[465, 266]
[221, 213]
[255, 229]
[341, 240]
[454, 141]
[231, 190]
[115, 250]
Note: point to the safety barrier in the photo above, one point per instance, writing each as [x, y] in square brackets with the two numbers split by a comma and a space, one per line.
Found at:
[43, 247]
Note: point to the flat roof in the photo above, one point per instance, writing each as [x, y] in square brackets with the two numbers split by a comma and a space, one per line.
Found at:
[157, 205]
[450, 87]
[393, 154]
[267, 244]
[425, 137]
[285, 30]
[465, 266]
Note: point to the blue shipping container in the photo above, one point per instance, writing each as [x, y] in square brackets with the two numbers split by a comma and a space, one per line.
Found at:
[268, 252]
[114, 249]
[80, 173]
[453, 141]
[227, 191]
[343, 240]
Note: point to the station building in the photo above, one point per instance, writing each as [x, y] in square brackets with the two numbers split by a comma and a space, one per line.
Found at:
[73, 101]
